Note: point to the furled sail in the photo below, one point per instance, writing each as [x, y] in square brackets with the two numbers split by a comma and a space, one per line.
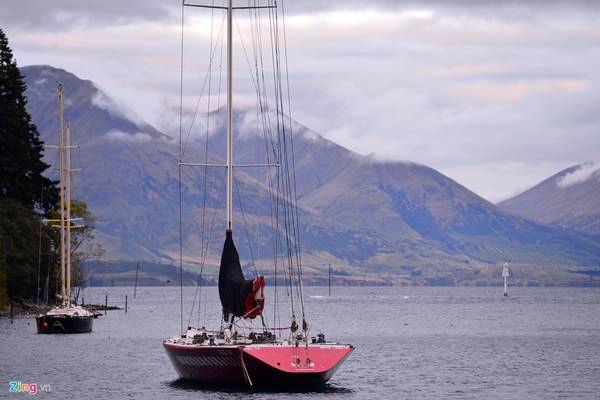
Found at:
[240, 297]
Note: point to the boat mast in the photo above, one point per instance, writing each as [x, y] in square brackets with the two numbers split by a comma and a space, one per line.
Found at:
[68, 220]
[229, 118]
[137, 269]
[62, 192]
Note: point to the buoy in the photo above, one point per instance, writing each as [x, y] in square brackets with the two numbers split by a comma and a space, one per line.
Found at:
[45, 325]
[505, 275]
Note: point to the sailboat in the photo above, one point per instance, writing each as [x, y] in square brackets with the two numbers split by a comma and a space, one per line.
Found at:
[66, 317]
[229, 356]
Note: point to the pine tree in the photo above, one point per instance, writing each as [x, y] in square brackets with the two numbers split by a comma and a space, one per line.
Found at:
[21, 187]
[21, 164]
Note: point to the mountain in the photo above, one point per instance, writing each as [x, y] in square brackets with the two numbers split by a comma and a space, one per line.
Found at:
[398, 221]
[130, 180]
[570, 199]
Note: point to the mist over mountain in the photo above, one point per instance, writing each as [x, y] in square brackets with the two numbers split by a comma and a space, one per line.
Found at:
[396, 221]
[570, 198]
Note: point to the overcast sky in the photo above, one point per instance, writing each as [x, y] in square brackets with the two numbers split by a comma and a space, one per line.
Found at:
[498, 95]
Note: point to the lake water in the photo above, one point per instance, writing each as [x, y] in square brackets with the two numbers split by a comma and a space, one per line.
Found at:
[412, 343]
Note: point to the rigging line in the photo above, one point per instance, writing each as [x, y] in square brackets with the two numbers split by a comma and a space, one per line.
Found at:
[180, 249]
[200, 96]
[286, 202]
[258, 192]
[245, 53]
[182, 151]
[274, 210]
[288, 187]
[280, 179]
[78, 182]
[254, 82]
[260, 108]
[274, 223]
[212, 14]
[252, 16]
[237, 190]
[262, 93]
[198, 291]
[203, 261]
[252, 28]
[275, 226]
[281, 182]
[291, 127]
[212, 225]
[194, 302]
[203, 253]
[282, 207]
[268, 138]
[179, 166]
[37, 293]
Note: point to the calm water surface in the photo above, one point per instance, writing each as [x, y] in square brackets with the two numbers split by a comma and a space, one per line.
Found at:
[413, 343]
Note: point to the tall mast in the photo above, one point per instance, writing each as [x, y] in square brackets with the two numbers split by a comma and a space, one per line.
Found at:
[62, 192]
[68, 220]
[229, 118]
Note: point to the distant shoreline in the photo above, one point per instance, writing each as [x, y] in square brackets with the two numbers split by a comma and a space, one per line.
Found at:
[370, 283]
[29, 309]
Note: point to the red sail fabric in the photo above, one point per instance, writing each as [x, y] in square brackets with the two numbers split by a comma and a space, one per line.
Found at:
[240, 297]
[255, 301]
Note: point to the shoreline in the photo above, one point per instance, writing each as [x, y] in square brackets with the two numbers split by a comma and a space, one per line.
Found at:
[26, 309]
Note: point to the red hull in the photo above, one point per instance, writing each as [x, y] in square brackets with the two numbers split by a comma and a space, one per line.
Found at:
[257, 364]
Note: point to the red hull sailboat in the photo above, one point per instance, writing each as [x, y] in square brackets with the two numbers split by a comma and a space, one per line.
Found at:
[267, 364]
[234, 354]
[225, 357]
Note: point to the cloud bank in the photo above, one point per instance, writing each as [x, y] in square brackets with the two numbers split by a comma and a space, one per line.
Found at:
[496, 95]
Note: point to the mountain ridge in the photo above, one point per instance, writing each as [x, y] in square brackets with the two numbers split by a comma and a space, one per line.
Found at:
[365, 215]
[570, 199]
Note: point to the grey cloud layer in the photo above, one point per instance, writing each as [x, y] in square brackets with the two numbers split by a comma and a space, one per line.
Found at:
[63, 14]
[496, 94]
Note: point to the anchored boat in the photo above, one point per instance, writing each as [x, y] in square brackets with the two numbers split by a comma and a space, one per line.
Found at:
[232, 354]
[227, 357]
[66, 317]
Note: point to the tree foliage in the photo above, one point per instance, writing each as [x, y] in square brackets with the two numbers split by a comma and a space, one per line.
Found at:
[83, 245]
[25, 194]
[22, 235]
[29, 247]
[21, 164]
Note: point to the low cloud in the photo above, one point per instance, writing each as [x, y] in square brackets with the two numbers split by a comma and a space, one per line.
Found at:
[120, 136]
[582, 174]
[104, 102]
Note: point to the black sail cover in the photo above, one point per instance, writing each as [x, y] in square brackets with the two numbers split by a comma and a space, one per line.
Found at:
[233, 288]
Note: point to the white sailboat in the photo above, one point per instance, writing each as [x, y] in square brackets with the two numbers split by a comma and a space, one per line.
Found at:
[66, 317]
